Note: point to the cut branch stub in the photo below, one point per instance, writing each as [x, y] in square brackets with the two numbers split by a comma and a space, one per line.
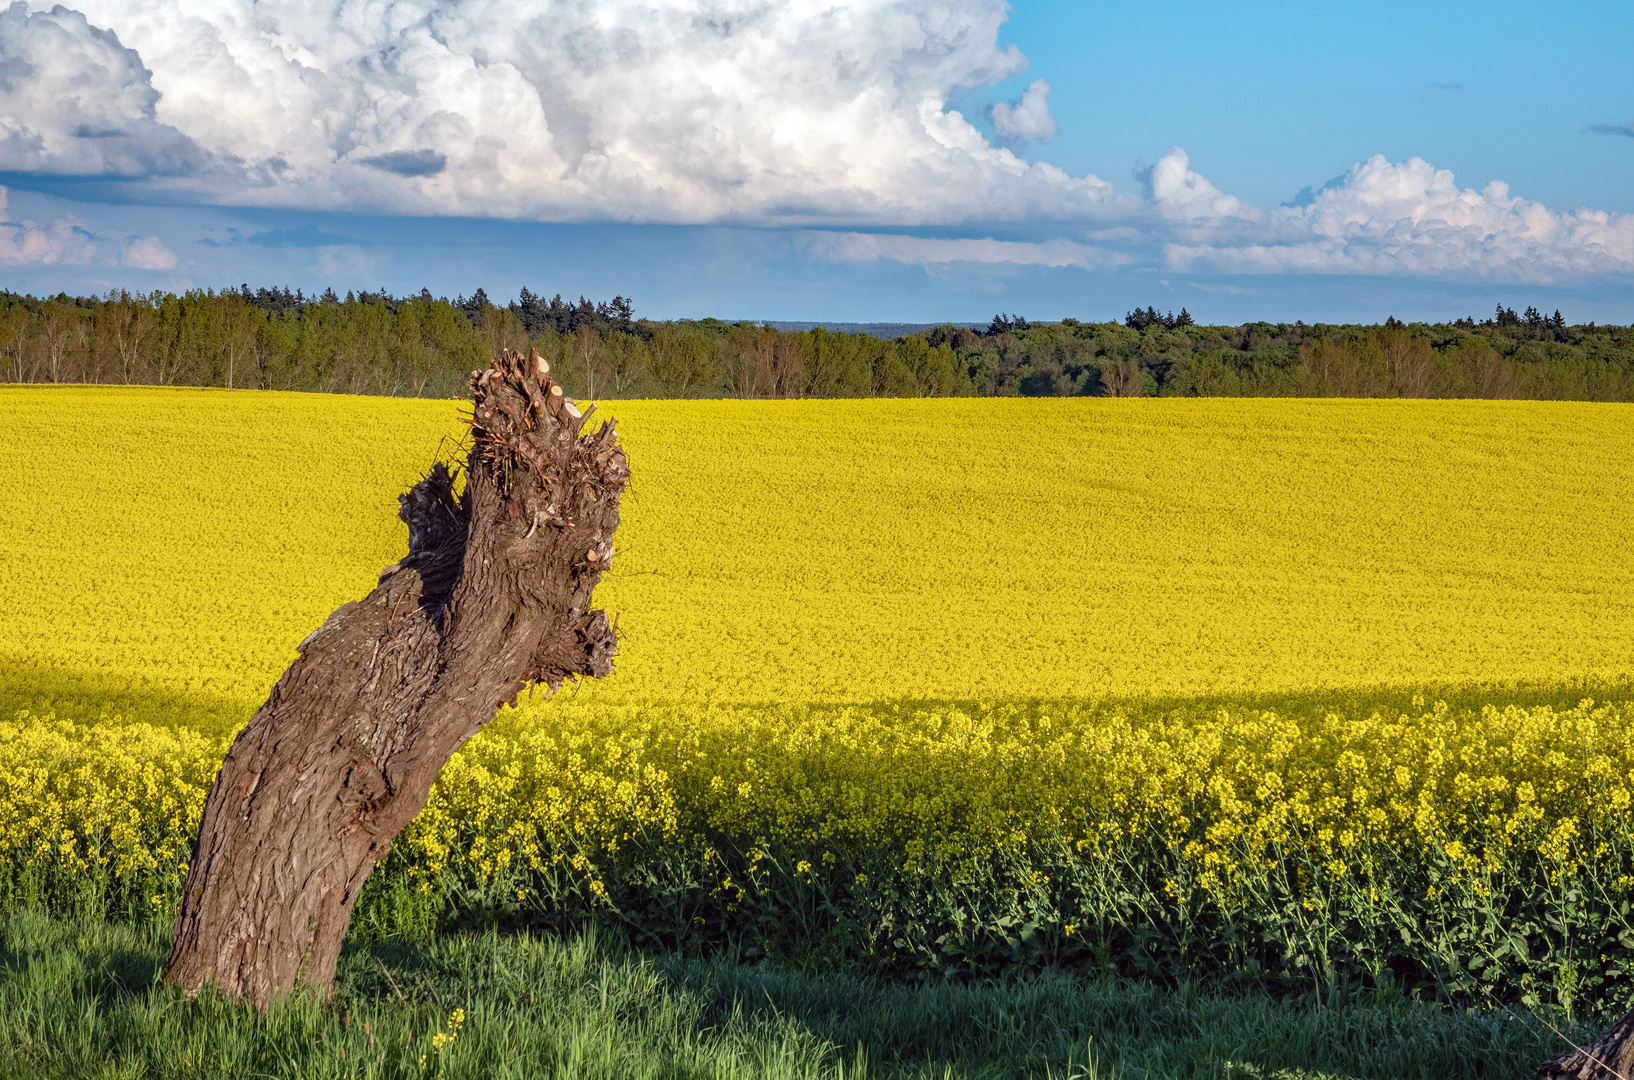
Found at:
[494, 594]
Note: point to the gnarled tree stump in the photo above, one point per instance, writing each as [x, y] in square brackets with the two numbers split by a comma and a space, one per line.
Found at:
[1610, 1057]
[493, 595]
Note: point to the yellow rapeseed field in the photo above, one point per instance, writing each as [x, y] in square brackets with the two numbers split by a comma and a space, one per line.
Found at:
[182, 541]
[1270, 686]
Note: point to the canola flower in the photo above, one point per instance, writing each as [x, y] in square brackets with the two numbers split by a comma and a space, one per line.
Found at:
[100, 816]
[1485, 848]
[163, 550]
[444, 1039]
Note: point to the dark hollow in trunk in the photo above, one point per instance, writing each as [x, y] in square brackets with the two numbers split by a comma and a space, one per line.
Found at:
[493, 595]
[1610, 1057]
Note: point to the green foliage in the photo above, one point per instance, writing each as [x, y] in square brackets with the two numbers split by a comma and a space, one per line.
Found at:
[81, 999]
[1459, 360]
[422, 346]
[425, 347]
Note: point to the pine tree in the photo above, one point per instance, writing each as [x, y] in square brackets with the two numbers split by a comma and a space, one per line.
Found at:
[475, 306]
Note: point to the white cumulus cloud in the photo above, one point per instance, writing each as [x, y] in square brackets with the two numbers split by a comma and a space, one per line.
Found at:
[1404, 218]
[147, 253]
[23, 243]
[1178, 193]
[1381, 219]
[73, 100]
[637, 110]
[1027, 120]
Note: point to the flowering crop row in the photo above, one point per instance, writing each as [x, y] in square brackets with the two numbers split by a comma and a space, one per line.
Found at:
[1489, 848]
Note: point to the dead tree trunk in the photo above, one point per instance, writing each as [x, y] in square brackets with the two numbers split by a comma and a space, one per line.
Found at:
[493, 595]
[1610, 1057]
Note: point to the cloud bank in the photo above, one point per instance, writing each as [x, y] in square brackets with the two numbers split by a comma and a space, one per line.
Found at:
[674, 111]
[1380, 219]
[1388, 218]
[829, 115]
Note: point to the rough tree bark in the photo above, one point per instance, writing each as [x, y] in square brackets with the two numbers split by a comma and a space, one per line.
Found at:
[1610, 1057]
[493, 595]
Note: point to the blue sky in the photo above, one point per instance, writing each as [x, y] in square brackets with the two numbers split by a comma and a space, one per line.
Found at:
[1269, 98]
[913, 160]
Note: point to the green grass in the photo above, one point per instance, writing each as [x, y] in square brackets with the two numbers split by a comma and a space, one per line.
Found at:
[81, 999]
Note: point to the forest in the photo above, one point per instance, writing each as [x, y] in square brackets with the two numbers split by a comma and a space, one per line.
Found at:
[425, 346]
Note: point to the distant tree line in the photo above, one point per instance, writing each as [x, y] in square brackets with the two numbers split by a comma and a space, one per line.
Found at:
[374, 343]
